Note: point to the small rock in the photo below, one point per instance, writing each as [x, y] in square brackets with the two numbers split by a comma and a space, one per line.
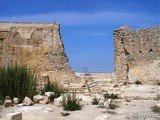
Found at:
[106, 104]
[45, 100]
[20, 105]
[102, 117]
[37, 98]
[58, 101]
[49, 94]
[7, 103]
[14, 116]
[15, 100]
[49, 109]
[101, 102]
[127, 100]
[158, 106]
[116, 85]
[7, 98]
[65, 114]
[109, 101]
[27, 101]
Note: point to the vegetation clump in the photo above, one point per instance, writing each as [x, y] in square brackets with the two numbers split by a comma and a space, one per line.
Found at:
[70, 102]
[155, 109]
[111, 96]
[137, 82]
[53, 87]
[17, 81]
[95, 101]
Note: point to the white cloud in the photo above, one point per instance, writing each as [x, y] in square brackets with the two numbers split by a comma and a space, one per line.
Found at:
[97, 18]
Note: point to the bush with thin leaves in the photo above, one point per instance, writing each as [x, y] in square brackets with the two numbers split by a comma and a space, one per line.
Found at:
[155, 109]
[137, 82]
[95, 101]
[111, 96]
[70, 102]
[17, 81]
[53, 87]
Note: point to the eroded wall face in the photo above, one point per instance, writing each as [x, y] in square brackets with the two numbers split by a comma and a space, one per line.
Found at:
[36, 45]
[137, 54]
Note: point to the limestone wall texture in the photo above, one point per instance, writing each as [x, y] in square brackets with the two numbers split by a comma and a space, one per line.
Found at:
[137, 54]
[37, 45]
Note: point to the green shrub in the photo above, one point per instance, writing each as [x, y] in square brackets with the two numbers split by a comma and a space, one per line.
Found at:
[70, 102]
[17, 81]
[53, 87]
[137, 82]
[95, 101]
[111, 96]
[155, 109]
[157, 82]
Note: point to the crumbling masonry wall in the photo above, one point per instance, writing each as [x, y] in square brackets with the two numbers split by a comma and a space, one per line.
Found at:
[37, 45]
[137, 54]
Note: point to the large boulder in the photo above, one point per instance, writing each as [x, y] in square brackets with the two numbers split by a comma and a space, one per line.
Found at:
[14, 116]
[37, 98]
[102, 117]
[58, 101]
[27, 101]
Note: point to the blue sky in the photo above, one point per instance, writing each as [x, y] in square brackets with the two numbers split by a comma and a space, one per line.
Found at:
[86, 25]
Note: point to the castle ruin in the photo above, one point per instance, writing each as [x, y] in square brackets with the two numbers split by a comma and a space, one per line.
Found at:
[137, 54]
[37, 45]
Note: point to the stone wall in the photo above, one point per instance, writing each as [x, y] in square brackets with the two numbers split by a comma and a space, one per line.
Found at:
[37, 45]
[137, 54]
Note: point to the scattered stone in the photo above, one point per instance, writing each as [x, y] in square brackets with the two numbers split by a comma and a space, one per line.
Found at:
[83, 82]
[116, 85]
[64, 114]
[58, 101]
[27, 101]
[15, 100]
[127, 100]
[102, 117]
[37, 98]
[20, 105]
[45, 100]
[48, 94]
[106, 104]
[49, 109]
[109, 111]
[101, 102]
[14, 116]
[109, 101]
[7, 98]
[100, 106]
[158, 106]
[7, 103]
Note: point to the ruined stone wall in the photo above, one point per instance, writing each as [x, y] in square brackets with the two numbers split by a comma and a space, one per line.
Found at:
[37, 45]
[137, 54]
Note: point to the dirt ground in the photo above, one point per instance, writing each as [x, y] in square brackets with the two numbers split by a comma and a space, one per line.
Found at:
[135, 104]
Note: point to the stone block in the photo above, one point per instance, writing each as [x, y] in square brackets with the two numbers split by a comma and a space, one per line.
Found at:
[27, 101]
[7, 103]
[14, 116]
[58, 101]
[37, 98]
